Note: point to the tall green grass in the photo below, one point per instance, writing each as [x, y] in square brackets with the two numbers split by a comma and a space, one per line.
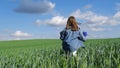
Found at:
[45, 53]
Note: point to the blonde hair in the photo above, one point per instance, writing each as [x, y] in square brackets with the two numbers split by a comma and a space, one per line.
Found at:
[72, 24]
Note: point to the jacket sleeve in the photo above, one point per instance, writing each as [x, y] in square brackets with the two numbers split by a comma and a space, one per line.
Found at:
[80, 37]
[63, 34]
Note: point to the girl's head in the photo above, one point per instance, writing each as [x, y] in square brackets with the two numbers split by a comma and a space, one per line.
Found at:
[72, 24]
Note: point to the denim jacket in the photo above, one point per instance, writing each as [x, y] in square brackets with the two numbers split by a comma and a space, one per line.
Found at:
[73, 39]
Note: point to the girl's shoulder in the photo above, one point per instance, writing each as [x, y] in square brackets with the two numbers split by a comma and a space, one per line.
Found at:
[69, 30]
[64, 31]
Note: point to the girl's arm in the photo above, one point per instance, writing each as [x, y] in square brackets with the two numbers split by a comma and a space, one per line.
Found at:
[81, 37]
[62, 35]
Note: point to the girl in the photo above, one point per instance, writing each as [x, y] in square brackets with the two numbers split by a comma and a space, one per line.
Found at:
[71, 37]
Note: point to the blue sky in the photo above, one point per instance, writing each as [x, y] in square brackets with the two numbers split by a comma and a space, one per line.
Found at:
[35, 19]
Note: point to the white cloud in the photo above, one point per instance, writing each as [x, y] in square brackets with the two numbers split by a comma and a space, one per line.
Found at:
[19, 33]
[57, 20]
[97, 29]
[94, 19]
[90, 16]
[38, 22]
[98, 19]
[30, 6]
[87, 6]
[113, 22]
[17, 39]
[54, 21]
[115, 19]
[118, 6]
[80, 15]
[117, 15]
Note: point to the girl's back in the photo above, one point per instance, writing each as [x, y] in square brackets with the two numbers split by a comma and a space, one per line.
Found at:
[72, 38]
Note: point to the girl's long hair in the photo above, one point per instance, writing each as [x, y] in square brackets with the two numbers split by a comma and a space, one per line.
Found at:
[72, 24]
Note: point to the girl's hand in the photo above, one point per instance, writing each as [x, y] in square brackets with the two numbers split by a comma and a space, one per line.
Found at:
[84, 33]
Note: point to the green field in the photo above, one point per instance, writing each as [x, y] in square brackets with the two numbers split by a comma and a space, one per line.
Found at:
[45, 53]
